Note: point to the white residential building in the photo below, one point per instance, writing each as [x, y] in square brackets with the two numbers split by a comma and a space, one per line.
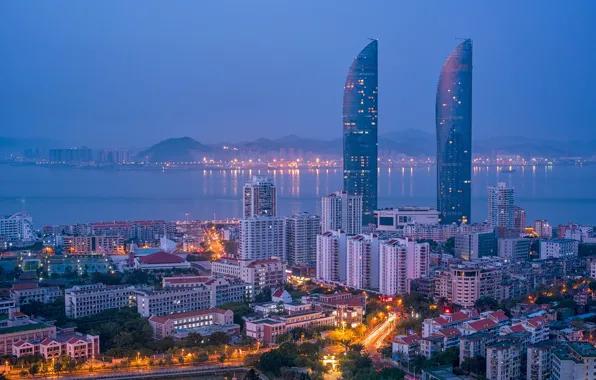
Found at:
[539, 360]
[514, 249]
[262, 237]
[261, 274]
[503, 360]
[469, 284]
[557, 248]
[301, 238]
[84, 300]
[341, 211]
[23, 293]
[260, 197]
[362, 262]
[17, 227]
[402, 260]
[395, 219]
[331, 256]
[501, 201]
[574, 361]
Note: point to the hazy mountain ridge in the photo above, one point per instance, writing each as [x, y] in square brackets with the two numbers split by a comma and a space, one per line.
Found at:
[411, 142]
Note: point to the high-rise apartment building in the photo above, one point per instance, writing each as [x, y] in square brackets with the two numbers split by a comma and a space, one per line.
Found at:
[501, 209]
[574, 361]
[362, 262]
[17, 227]
[331, 256]
[301, 238]
[360, 129]
[341, 211]
[260, 197]
[402, 260]
[519, 218]
[262, 237]
[454, 136]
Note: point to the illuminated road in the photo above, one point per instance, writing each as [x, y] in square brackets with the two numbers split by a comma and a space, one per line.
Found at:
[376, 337]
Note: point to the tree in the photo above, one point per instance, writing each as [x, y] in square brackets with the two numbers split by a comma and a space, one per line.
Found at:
[252, 375]
[308, 349]
[449, 245]
[58, 367]
[192, 340]
[239, 310]
[219, 338]
[221, 358]
[343, 337]
[485, 304]
[199, 358]
[264, 295]
[180, 359]
[34, 369]
[476, 365]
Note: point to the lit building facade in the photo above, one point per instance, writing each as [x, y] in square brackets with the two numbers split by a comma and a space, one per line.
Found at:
[402, 260]
[331, 256]
[341, 211]
[262, 237]
[501, 209]
[362, 262]
[360, 129]
[454, 136]
[301, 238]
[17, 227]
[260, 197]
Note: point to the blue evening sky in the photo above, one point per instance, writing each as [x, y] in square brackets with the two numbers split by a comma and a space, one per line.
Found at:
[130, 73]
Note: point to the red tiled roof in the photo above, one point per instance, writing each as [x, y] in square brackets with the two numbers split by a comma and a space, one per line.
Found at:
[188, 314]
[18, 314]
[499, 315]
[278, 293]
[190, 280]
[19, 343]
[410, 339]
[517, 328]
[482, 324]
[47, 341]
[536, 321]
[450, 332]
[161, 257]
[459, 317]
[441, 321]
[354, 301]
[25, 286]
[75, 340]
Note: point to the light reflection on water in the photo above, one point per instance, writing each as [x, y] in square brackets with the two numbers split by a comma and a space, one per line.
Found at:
[559, 193]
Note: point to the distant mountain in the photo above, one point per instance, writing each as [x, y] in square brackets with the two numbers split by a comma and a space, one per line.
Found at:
[411, 142]
[175, 149]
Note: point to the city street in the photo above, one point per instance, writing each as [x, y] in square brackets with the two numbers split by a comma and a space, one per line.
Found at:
[376, 337]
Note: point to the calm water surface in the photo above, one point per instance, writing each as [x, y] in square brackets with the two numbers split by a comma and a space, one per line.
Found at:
[56, 195]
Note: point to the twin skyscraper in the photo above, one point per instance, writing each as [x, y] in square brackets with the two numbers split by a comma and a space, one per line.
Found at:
[453, 125]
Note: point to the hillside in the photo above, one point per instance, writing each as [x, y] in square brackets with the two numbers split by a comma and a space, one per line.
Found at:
[175, 149]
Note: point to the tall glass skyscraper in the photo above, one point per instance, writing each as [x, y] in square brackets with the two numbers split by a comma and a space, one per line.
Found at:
[360, 130]
[454, 136]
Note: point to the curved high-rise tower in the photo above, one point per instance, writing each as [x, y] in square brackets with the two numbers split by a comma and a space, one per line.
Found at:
[360, 130]
[454, 136]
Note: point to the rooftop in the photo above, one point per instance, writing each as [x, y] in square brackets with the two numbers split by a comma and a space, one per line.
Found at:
[28, 327]
[161, 258]
[188, 314]
[584, 349]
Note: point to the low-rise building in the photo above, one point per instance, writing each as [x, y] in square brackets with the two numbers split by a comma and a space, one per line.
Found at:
[405, 347]
[204, 322]
[574, 361]
[82, 245]
[65, 342]
[173, 300]
[21, 328]
[267, 330]
[24, 293]
[261, 274]
[160, 261]
[347, 308]
[558, 248]
[84, 300]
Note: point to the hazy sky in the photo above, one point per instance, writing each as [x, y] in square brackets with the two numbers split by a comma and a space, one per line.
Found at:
[129, 73]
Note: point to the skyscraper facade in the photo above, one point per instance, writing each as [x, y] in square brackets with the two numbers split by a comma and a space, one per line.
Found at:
[360, 129]
[454, 136]
[301, 238]
[501, 209]
[260, 197]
